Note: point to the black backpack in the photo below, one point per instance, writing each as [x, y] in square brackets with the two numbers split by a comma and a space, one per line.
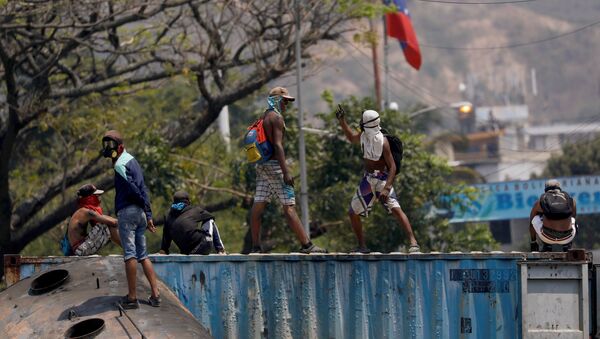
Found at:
[556, 204]
[396, 147]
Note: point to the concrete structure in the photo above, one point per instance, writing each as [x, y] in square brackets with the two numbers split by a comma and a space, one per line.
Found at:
[501, 143]
[553, 137]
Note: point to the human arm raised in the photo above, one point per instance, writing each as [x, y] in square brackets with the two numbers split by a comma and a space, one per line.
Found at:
[353, 137]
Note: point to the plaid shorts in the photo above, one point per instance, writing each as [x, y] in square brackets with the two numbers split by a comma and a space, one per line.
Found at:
[98, 237]
[368, 192]
[269, 182]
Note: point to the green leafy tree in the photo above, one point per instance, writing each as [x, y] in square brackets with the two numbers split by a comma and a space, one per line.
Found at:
[67, 66]
[72, 70]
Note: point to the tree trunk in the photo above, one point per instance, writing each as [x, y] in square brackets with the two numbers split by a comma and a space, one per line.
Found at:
[7, 138]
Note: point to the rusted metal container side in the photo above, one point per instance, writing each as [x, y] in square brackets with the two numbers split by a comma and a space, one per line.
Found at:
[434, 295]
[350, 296]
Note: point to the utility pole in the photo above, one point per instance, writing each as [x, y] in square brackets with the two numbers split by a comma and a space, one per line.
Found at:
[223, 122]
[373, 38]
[301, 144]
[386, 84]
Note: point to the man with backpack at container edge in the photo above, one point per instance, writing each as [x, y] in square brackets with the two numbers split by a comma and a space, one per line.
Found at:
[380, 172]
[273, 177]
[552, 219]
[192, 228]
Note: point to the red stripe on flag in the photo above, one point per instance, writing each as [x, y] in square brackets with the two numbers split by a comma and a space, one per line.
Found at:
[400, 27]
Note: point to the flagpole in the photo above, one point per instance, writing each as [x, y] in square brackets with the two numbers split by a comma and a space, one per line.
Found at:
[373, 38]
[386, 88]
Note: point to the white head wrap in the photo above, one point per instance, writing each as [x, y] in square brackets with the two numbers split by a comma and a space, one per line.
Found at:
[371, 138]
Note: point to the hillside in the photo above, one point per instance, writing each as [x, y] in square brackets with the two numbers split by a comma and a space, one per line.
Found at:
[567, 68]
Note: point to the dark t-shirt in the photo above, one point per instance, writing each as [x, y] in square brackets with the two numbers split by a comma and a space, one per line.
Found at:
[184, 227]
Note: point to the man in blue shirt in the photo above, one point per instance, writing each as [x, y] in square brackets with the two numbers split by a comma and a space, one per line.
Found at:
[134, 214]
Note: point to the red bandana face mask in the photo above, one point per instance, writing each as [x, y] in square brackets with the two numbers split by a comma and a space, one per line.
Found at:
[91, 202]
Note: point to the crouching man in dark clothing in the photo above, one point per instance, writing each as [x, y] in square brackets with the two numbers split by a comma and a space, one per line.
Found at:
[552, 219]
[192, 228]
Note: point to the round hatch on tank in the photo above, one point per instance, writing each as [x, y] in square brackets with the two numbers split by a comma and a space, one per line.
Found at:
[48, 281]
[88, 329]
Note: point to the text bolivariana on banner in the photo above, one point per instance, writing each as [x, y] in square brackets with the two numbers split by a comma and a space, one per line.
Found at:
[514, 199]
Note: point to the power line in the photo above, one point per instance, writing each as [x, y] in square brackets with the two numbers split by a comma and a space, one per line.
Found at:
[442, 105]
[546, 149]
[476, 3]
[556, 144]
[415, 92]
[367, 69]
[513, 45]
[404, 84]
[415, 89]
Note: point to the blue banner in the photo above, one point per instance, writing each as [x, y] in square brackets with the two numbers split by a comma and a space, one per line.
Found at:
[514, 199]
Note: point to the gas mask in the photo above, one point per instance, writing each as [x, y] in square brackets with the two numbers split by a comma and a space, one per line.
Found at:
[109, 148]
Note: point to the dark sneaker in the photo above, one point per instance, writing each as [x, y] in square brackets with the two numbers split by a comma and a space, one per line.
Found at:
[256, 249]
[154, 302]
[313, 249]
[362, 250]
[129, 304]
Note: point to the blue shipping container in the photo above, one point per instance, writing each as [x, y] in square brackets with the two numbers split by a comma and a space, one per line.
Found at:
[434, 295]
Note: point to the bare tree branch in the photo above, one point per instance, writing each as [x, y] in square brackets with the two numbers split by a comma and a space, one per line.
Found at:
[32, 205]
[59, 214]
[54, 53]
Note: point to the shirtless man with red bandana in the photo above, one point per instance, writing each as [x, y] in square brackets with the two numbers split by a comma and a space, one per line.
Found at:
[103, 227]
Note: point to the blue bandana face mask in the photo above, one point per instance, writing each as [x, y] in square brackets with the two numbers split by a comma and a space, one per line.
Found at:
[178, 206]
[275, 103]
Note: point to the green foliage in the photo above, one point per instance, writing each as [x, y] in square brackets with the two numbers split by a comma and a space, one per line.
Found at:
[581, 158]
[362, 8]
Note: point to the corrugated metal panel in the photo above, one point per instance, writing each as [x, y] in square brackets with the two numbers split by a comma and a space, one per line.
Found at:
[441, 295]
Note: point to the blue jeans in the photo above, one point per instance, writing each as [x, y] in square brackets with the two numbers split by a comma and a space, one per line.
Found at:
[132, 225]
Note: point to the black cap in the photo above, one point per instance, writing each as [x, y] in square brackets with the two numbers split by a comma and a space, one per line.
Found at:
[87, 190]
[180, 196]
